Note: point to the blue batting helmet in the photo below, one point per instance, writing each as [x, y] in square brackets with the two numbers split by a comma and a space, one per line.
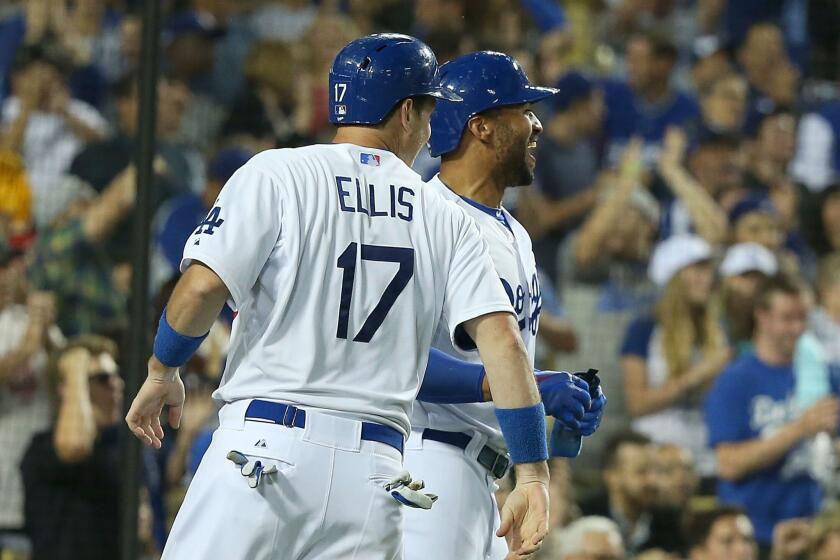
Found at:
[483, 80]
[371, 75]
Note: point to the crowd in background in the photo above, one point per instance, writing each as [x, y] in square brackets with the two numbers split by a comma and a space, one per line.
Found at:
[685, 217]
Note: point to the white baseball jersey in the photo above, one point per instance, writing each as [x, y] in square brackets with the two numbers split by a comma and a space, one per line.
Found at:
[340, 263]
[513, 257]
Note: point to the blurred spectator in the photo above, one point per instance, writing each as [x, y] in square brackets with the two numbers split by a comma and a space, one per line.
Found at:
[12, 34]
[631, 496]
[264, 115]
[790, 539]
[590, 538]
[99, 163]
[772, 152]
[189, 39]
[178, 218]
[71, 473]
[761, 438]
[773, 79]
[69, 257]
[755, 219]
[231, 50]
[825, 535]
[645, 104]
[721, 533]
[710, 61]
[744, 267]
[723, 103]
[27, 322]
[817, 162]
[15, 196]
[42, 122]
[715, 162]
[287, 20]
[89, 32]
[690, 204]
[627, 17]
[678, 481]
[612, 247]
[824, 320]
[568, 173]
[670, 357]
[825, 221]
[739, 18]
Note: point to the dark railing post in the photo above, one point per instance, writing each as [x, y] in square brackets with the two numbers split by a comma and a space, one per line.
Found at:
[138, 343]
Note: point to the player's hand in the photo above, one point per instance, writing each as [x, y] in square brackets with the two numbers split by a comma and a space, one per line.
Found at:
[525, 514]
[592, 418]
[565, 397]
[163, 386]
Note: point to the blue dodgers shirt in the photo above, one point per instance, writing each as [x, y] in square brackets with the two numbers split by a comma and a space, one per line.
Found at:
[749, 400]
[628, 116]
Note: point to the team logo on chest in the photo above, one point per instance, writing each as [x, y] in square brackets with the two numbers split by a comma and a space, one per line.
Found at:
[517, 297]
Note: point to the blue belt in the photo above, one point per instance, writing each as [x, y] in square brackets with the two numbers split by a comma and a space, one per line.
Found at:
[294, 417]
[495, 462]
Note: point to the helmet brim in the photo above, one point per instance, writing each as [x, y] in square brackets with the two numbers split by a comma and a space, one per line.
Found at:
[533, 94]
[446, 94]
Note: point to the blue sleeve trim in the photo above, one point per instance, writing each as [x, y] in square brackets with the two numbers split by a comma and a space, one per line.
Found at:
[637, 338]
[449, 380]
[172, 348]
[524, 431]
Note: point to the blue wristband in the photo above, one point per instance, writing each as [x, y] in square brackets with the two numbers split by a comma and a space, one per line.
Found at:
[172, 348]
[449, 380]
[524, 431]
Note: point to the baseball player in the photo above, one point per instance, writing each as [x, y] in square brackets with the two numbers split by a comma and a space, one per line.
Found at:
[487, 143]
[340, 264]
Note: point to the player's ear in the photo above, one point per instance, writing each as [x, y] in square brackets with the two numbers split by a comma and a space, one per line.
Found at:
[408, 113]
[480, 127]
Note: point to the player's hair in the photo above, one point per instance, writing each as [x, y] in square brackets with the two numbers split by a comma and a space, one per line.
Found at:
[627, 437]
[779, 284]
[570, 539]
[420, 103]
[661, 43]
[95, 344]
[684, 329]
[829, 272]
[697, 525]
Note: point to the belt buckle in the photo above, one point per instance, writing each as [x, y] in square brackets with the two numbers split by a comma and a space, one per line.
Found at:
[499, 461]
[286, 413]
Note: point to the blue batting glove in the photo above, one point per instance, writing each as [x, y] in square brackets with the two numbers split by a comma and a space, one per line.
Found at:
[565, 397]
[592, 418]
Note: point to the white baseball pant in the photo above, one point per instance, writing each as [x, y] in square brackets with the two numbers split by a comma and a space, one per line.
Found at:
[326, 500]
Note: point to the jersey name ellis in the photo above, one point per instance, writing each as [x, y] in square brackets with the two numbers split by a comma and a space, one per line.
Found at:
[390, 201]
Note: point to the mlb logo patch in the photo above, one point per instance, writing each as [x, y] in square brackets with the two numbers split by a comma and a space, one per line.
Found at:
[341, 110]
[369, 159]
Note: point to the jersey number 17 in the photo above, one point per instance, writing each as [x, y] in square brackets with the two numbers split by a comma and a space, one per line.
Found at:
[347, 262]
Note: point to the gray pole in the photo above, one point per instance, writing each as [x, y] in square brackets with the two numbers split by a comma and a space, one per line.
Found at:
[138, 343]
